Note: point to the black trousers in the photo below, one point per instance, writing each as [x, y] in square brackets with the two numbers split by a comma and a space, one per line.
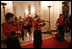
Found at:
[25, 27]
[29, 29]
[37, 39]
[61, 31]
[69, 27]
[22, 34]
[13, 43]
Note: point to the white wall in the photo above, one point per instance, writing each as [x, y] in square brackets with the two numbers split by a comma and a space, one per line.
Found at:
[17, 9]
[55, 10]
[69, 8]
[9, 6]
[21, 6]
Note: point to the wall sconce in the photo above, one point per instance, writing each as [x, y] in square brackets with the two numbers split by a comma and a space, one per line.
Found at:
[29, 9]
[49, 17]
[3, 4]
[45, 5]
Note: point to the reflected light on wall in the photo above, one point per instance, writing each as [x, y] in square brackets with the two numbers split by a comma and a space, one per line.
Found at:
[5, 1]
[32, 10]
[26, 11]
[44, 4]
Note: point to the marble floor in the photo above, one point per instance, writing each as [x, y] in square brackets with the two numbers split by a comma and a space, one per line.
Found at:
[28, 39]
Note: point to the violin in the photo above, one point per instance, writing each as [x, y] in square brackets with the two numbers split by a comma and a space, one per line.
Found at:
[12, 23]
[42, 21]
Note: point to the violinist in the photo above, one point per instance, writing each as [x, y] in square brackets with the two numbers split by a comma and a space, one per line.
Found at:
[59, 24]
[70, 23]
[10, 30]
[37, 24]
[25, 26]
[20, 19]
[29, 20]
[20, 27]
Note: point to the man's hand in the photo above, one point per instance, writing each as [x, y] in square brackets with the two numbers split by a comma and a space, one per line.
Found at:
[18, 31]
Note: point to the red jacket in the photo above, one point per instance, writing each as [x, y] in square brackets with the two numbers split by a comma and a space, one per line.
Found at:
[29, 20]
[34, 23]
[21, 26]
[8, 28]
[59, 21]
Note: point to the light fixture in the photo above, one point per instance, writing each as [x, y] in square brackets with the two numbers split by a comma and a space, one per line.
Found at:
[3, 4]
[44, 4]
[47, 5]
[49, 17]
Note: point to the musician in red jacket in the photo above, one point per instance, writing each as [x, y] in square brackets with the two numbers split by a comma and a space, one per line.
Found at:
[59, 24]
[37, 32]
[20, 22]
[10, 29]
[29, 20]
